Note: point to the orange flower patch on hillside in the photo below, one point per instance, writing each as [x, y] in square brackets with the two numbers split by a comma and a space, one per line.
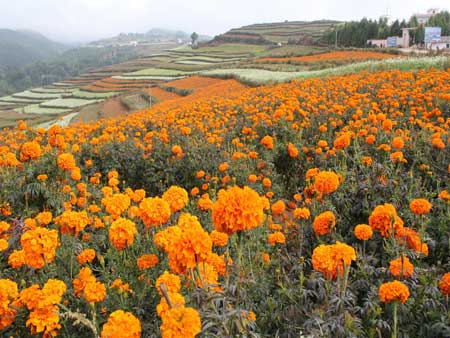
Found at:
[331, 56]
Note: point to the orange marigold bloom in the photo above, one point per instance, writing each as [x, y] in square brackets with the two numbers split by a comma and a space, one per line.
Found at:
[122, 324]
[326, 182]
[292, 150]
[205, 203]
[94, 292]
[323, 223]
[301, 213]
[177, 150]
[155, 211]
[8, 294]
[278, 207]
[176, 197]
[393, 291]
[276, 237]
[367, 161]
[384, 219]
[223, 166]
[39, 246]
[42, 177]
[176, 300]
[237, 209]
[44, 218]
[219, 238]
[86, 256]
[252, 178]
[363, 232]
[420, 206]
[398, 143]
[16, 259]
[147, 261]
[444, 195]
[398, 157]
[121, 233]
[267, 141]
[267, 182]
[181, 322]
[342, 141]
[66, 161]
[30, 151]
[72, 222]
[401, 267]
[409, 237]
[331, 259]
[116, 204]
[172, 283]
[444, 284]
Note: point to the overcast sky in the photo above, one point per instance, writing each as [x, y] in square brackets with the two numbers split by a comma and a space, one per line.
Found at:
[84, 20]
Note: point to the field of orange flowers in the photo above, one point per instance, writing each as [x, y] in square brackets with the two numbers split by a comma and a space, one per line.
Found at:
[330, 56]
[314, 208]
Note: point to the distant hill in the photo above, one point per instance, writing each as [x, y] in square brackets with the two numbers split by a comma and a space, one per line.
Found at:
[295, 32]
[154, 35]
[19, 48]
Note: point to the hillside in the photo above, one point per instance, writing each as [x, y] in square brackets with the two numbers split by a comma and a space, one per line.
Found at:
[295, 32]
[19, 48]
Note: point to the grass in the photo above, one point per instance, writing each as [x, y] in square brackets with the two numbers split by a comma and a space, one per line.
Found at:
[67, 103]
[38, 110]
[39, 96]
[81, 94]
[156, 72]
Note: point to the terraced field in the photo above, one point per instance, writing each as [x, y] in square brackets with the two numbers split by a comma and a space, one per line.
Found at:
[281, 32]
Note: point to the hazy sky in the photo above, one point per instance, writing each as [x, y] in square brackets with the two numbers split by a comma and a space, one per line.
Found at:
[83, 20]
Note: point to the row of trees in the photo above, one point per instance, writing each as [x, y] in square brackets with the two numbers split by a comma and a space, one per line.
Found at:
[71, 63]
[356, 33]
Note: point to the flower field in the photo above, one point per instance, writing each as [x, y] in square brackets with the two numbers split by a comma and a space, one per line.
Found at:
[315, 208]
[347, 56]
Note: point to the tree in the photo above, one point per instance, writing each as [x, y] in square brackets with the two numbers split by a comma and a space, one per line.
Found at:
[194, 38]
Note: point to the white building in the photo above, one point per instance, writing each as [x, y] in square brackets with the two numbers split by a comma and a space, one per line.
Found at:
[443, 43]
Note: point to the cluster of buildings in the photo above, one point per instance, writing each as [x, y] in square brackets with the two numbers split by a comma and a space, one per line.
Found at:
[433, 38]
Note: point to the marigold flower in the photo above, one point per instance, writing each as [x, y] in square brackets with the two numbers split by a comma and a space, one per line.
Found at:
[444, 284]
[267, 142]
[323, 223]
[94, 292]
[66, 161]
[155, 211]
[401, 267]
[223, 166]
[331, 259]
[176, 300]
[420, 206]
[363, 232]
[147, 261]
[121, 324]
[176, 197]
[172, 283]
[292, 150]
[393, 291]
[116, 204]
[384, 219]
[326, 182]
[276, 237]
[301, 213]
[342, 141]
[8, 294]
[44, 218]
[121, 233]
[30, 151]
[219, 238]
[180, 322]
[39, 246]
[237, 209]
[86, 256]
[278, 208]
[398, 143]
[72, 222]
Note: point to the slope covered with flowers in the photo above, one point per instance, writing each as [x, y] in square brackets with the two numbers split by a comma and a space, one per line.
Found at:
[317, 208]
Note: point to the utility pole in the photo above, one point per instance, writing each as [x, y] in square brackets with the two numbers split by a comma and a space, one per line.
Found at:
[335, 40]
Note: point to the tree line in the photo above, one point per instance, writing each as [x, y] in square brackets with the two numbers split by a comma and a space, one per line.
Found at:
[69, 64]
[356, 33]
